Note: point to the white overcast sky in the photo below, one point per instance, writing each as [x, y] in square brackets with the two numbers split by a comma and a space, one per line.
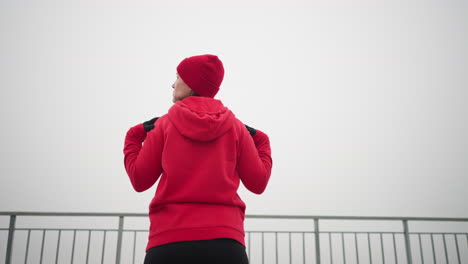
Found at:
[364, 101]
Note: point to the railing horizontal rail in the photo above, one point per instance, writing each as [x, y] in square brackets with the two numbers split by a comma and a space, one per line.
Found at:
[379, 218]
[75, 229]
[250, 216]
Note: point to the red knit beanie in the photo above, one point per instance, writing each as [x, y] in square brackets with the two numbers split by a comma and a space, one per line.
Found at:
[202, 73]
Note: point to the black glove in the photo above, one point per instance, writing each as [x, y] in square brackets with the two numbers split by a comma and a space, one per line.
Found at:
[148, 125]
[251, 130]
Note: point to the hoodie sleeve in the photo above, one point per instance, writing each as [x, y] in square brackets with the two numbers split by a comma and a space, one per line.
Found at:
[254, 162]
[143, 161]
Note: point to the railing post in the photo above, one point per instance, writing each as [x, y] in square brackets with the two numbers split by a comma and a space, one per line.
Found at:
[119, 239]
[407, 242]
[317, 240]
[11, 232]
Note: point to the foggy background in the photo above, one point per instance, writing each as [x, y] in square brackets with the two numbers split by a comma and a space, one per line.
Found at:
[364, 101]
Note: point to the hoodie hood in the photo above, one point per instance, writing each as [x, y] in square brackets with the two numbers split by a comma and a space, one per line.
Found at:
[201, 118]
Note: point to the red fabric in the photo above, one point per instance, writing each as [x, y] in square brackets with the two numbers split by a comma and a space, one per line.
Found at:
[200, 152]
[203, 74]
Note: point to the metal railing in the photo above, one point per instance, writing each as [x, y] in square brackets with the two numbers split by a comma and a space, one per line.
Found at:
[269, 239]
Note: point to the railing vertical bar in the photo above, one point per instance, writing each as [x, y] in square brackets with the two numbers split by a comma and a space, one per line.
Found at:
[42, 246]
[343, 245]
[420, 248]
[27, 247]
[356, 245]
[458, 249]
[11, 233]
[407, 242]
[303, 248]
[445, 249]
[103, 246]
[58, 246]
[330, 245]
[317, 240]
[263, 247]
[73, 246]
[433, 248]
[290, 249]
[276, 247]
[119, 239]
[248, 239]
[87, 248]
[382, 248]
[370, 249]
[134, 246]
[394, 249]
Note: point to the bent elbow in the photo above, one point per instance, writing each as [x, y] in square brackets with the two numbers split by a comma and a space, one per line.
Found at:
[258, 190]
[140, 186]
[259, 186]
[139, 189]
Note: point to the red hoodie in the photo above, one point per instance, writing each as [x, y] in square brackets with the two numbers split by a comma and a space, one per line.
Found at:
[200, 151]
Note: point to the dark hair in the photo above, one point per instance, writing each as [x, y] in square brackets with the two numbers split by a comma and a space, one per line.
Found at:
[194, 94]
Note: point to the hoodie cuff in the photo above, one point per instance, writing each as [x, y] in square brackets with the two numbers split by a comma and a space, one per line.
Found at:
[138, 132]
[260, 138]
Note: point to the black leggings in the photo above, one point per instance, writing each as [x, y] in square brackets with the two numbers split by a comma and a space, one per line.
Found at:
[215, 251]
